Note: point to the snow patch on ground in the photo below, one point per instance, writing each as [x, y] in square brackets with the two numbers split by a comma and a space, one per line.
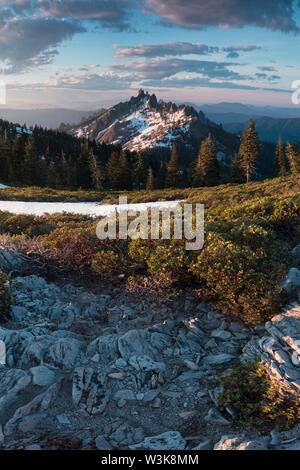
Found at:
[91, 209]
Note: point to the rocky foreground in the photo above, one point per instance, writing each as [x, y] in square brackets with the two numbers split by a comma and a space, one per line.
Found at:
[108, 371]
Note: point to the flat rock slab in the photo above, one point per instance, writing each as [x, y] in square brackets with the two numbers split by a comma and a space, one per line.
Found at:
[171, 440]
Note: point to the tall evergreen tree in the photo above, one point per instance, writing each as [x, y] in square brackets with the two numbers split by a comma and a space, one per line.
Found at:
[87, 174]
[93, 171]
[113, 171]
[279, 164]
[30, 162]
[197, 176]
[249, 150]
[293, 158]
[206, 170]
[125, 173]
[139, 172]
[173, 175]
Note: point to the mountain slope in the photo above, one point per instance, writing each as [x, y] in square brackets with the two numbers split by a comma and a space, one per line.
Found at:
[270, 129]
[47, 117]
[248, 110]
[143, 122]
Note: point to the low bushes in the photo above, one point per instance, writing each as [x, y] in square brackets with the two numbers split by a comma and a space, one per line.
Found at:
[259, 403]
[249, 231]
[243, 280]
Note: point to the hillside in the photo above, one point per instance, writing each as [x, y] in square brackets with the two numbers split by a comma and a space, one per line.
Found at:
[50, 118]
[270, 129]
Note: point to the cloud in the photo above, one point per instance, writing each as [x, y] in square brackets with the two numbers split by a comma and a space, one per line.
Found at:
[89, 81]
[197, 14]
[266, 68]
[162, 50]
[233, 51]
[195, 82]
[30, 30]
[29, 42]
[109, 13]
[163, 68]
[18, 7]
[87, 68]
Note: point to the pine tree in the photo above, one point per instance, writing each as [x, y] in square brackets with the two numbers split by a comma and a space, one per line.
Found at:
[173, 175]
[18, 159]
[249, 150]
[113, 171]
[30, 162]
[279, 164]
[87, 174]
[206, 170]
[293, 158]
[125, 173]
[237, 171]
[197, 176]
[139, 172]
[93, 171]
[150, 181]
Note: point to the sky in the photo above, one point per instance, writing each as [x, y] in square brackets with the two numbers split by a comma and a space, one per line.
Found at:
[85, 54]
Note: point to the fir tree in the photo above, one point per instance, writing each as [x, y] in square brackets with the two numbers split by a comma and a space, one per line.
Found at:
[30, 162]
[173, 175]
[206, 169]
[139, 172]
[249, 150]
[197, 176]
[293, 158]
[279, 164]
[113, 170]
[93, 171]
[87, 175]
[125, 173]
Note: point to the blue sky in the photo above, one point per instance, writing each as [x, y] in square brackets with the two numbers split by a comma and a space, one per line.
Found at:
[86, 54]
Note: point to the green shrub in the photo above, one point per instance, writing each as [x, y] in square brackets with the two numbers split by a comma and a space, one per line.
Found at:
[243, 280]
[259, 402]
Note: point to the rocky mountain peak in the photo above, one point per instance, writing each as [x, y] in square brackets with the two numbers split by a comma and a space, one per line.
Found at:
[146, 122]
